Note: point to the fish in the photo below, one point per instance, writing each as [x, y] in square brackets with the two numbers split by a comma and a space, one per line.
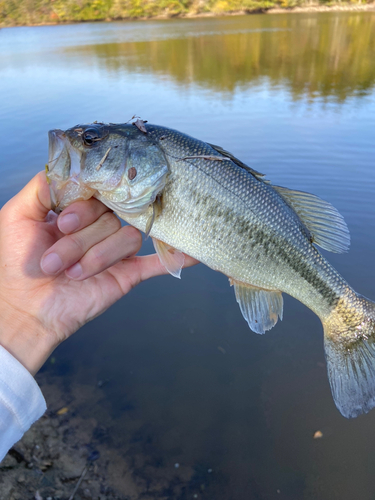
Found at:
[196, 198]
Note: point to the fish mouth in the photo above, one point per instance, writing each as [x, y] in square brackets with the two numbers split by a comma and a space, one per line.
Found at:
[63, 172]
[56, 144]
[55, 171]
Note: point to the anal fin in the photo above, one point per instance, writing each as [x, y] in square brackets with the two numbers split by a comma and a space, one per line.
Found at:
[260, 308]
[172, 259]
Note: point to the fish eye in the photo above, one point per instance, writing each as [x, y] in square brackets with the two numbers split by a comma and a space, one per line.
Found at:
[90, 136]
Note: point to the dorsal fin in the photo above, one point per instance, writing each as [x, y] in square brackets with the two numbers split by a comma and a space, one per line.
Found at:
[326, 225]
[238, 162]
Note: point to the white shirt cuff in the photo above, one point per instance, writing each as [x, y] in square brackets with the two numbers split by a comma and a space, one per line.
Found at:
[21, 401]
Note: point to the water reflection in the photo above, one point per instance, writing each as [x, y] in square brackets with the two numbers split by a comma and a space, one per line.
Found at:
[325, 56]
[171, 395]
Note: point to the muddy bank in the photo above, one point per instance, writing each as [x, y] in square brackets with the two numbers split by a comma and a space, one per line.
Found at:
[65, 456]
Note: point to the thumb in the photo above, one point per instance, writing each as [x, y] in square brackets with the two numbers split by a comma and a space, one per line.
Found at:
[33, 201]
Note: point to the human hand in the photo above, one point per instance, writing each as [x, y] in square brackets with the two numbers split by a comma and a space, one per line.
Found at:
[58, 273]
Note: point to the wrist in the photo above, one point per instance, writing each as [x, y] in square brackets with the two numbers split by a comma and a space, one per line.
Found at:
[25, 339]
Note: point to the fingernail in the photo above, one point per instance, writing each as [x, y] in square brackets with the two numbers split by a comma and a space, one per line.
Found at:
[75, 271]
[68, 223]
[51, 263]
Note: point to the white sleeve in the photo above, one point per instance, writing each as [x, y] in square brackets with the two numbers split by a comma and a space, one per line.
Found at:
[21, 401]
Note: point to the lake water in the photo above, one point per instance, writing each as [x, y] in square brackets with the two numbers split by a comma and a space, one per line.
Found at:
[182, 380]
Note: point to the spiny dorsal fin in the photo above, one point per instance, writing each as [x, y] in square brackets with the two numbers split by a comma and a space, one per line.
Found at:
[260, 308]
[172, 259]
[238, 162]
[326, 225]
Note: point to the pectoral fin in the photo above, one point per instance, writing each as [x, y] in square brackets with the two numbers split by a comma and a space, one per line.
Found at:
[260, 308]
[172, 259]
[150, 222]
[156, 211]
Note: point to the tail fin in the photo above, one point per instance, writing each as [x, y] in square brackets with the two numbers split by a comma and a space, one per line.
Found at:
[349, 341]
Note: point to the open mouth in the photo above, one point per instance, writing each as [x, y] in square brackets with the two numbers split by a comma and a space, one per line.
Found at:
[63, 172]
[56, 148]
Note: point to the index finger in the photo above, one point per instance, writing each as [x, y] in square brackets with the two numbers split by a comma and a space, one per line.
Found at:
[80, 215]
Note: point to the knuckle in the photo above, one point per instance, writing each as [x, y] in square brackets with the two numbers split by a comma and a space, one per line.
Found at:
[110, 221]
[97, 258]
[78, 241]
[132, 237]
[132, 233]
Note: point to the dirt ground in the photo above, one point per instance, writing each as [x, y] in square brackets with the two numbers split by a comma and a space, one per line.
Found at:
[67, 457]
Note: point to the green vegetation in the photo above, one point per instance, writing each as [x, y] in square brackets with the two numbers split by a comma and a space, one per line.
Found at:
[26, 12]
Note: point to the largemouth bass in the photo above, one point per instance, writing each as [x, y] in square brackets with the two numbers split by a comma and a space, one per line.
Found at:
[199, 199]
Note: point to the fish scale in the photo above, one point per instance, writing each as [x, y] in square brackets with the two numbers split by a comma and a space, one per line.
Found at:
[253, 210]
[199, 199]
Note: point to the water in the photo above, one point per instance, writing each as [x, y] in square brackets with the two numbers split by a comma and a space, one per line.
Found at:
[182, 379]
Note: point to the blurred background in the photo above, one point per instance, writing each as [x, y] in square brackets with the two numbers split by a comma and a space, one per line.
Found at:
[182, 399]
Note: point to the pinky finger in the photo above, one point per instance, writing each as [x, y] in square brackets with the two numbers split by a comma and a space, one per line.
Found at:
[129, 273]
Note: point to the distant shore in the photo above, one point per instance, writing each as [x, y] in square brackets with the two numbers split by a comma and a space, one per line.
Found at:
[338, 7]
[311, 7]
[265, 7]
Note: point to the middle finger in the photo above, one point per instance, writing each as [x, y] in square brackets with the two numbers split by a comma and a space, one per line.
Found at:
[80, 214]
[71, 248]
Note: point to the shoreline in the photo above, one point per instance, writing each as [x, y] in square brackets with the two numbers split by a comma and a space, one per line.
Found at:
[338, 7]
[69, 453]
[310, 8]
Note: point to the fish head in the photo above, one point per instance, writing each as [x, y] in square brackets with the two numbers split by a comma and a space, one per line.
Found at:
[117, 164]
[68, 151]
